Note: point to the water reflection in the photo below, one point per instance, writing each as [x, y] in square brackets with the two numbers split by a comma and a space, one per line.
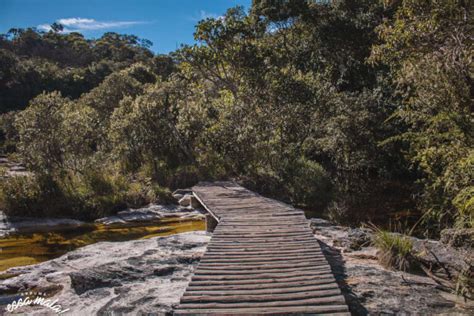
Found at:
[25, 249]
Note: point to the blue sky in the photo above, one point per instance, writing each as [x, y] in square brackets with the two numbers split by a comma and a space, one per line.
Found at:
[166, 23]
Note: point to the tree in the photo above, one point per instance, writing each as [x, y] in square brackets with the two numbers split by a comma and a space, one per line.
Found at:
[40, 134]
[428, 47]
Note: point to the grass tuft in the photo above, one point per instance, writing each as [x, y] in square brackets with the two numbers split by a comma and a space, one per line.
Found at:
[394, 249]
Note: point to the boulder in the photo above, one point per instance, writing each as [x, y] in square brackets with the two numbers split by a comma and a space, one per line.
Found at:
[9, 225]
[185, 200]
[178, 194]
[189, 201]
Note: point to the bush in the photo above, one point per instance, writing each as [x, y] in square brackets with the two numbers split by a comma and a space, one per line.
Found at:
[96, 194]
[34, 196]
[183, 177]
[464, 204]
[141, 193]
[309, 184]
[160, 194]
[8, 132]
[303, 182]
[20, 196]
[339, 212]
[86, 197]
[266, 182]
[394, 249]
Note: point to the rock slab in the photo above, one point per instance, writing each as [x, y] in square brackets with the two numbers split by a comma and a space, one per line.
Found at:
[133, 277]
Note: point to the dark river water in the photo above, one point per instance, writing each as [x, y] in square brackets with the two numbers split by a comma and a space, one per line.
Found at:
[24, 249]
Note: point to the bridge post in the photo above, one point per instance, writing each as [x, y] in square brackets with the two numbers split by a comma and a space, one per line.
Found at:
[211, 223]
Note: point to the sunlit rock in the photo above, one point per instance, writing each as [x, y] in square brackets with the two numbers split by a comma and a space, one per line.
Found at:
[138, 276]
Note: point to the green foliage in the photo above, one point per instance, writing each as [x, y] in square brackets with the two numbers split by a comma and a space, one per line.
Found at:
[8, 132]
[40, 134]
[38, 196]
[394, 249]
[464, 204]
[23, 196]
[359, 109]
[131, 125]
[279, 10]
[427, 47]
[309, 184]
[32, 62]
[89, 196]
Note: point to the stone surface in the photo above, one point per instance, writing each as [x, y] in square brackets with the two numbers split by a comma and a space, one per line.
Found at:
[149, 276]
[26, 225]
[150, 213]
[371, 289]
[178, 194]
[185, 200]
[444, 263]
[189, 200]
[133, 277]
[459, 238]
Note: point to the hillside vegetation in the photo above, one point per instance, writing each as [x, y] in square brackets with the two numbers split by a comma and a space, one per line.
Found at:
[358, 109]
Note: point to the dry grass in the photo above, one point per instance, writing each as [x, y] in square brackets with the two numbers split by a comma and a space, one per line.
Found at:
[394, 249]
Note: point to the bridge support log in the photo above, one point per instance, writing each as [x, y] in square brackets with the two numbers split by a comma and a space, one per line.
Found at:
[211, 223]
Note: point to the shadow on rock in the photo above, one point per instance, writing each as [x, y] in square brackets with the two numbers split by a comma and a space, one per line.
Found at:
[336, 261]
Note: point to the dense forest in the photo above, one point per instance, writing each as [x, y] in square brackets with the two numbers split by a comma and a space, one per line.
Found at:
[360, 110]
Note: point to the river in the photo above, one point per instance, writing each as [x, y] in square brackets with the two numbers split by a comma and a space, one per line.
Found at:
[19, 249]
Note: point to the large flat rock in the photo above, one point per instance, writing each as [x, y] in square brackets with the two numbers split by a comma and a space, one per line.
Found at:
[131, 277]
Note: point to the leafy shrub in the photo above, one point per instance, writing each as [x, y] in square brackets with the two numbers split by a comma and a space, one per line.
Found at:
[20, 196]
[140, 193]
[338, 212]
[464, 204]
[96, 194]
[8, 132]
[266, 182]
[159, 194]
[89, 196]
[34, 196]
[309, 184]
[183, 177]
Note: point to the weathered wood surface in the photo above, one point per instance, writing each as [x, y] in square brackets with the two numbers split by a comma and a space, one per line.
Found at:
[262, 259]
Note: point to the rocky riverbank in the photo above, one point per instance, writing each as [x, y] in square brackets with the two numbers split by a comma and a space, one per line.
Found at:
[153, 213]
[132, 277]
[370, 288]
[149, 276]
[33, 240]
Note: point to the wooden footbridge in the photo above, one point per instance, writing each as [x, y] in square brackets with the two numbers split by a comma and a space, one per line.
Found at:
[262, 259]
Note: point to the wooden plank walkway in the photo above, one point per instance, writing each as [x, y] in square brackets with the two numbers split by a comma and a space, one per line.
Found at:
[262, 259]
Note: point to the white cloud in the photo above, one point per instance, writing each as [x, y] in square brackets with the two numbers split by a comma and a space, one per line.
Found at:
[206, 15]
[44, 27]
[202, 15]
[83, 24]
